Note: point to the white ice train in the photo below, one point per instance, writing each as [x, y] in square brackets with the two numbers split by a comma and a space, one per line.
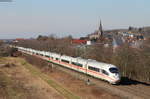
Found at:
[104, 71]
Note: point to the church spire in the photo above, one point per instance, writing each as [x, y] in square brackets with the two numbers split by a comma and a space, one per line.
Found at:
[101, 29]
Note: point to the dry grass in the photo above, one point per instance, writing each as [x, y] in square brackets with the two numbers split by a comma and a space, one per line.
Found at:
[17, 82]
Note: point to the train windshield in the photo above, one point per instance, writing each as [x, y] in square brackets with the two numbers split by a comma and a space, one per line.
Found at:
[113, 70]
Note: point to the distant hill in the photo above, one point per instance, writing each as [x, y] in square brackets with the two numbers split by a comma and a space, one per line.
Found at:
[117, 30]
[143, 29]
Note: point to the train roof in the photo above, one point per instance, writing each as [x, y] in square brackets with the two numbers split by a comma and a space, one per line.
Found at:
[79, 60]
[99, 64]
[47, 53]
[68, 58]
[55, 55]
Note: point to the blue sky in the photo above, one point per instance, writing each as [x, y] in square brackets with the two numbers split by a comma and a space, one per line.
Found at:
[29, 18]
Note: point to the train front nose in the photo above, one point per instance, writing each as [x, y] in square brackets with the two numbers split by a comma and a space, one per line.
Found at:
[117, 80]
[116, 77]
[114, 74]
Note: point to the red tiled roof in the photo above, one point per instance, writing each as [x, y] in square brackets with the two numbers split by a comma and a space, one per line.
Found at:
[78, 41]
[20, 39]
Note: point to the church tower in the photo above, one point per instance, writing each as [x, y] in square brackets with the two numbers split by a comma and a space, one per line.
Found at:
[100, 30]
[97, 34]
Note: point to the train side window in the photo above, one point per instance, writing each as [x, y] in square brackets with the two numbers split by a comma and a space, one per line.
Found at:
[77, 64]
[105, 72]
[93, 68]
[47, 56]
[65, 61]
[74, 63]
[80, 65]
[57, 58]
